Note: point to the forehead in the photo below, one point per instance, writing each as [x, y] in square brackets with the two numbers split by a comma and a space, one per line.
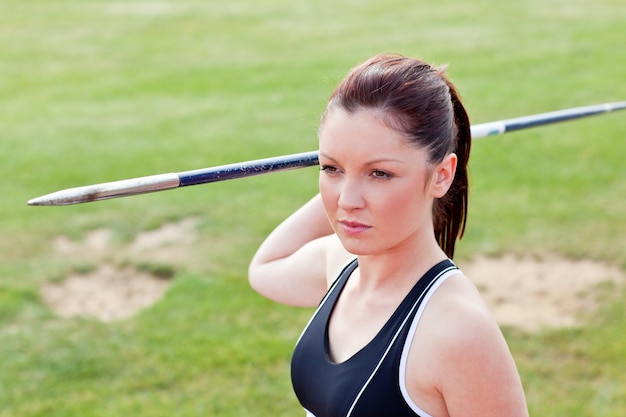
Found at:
[364, 130]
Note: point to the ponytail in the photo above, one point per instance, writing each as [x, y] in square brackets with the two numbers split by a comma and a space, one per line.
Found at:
[450, 211]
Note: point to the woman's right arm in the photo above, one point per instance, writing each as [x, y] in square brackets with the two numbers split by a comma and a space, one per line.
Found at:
[290, 266]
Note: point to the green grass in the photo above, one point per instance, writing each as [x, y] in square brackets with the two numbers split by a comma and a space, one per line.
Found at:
[96, 91]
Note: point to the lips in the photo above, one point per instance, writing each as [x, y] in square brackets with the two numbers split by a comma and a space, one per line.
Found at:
[353, 228]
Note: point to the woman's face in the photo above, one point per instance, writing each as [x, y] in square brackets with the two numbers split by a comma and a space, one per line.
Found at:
[377, 189]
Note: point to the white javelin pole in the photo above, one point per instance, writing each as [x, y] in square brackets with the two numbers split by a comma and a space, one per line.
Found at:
[170, 181]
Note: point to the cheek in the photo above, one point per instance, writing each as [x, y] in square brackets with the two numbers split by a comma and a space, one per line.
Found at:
[397, 203]
[328, 194]
[407, 205]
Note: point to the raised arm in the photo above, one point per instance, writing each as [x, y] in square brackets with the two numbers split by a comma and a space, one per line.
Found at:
[290, 266]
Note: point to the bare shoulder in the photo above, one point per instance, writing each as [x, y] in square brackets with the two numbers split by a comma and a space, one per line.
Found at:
[475, 372]
[459, 305]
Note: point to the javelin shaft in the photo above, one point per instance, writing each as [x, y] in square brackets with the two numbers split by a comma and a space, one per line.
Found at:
[169, 181]
[525, 122]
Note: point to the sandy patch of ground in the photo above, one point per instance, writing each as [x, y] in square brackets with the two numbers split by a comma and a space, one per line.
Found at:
[522, 291]
[108, 293]
[112, 292]
[530, 293]
[168, 243]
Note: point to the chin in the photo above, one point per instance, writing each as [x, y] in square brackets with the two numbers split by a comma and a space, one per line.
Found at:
[357, 248]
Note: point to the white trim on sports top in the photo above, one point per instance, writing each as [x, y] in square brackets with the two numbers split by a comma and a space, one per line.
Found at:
[409, 341]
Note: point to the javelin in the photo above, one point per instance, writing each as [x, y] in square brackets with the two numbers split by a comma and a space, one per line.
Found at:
[170, 181]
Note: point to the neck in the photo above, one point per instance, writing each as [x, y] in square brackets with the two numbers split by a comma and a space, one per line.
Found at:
[399, 267]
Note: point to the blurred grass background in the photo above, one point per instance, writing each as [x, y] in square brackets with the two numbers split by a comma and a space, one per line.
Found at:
[95, 91]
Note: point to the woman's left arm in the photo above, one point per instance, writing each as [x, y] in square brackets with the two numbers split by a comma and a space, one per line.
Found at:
[483, 379]
[476, 376]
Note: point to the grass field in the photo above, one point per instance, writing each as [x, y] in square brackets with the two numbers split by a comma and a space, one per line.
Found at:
[94, 91]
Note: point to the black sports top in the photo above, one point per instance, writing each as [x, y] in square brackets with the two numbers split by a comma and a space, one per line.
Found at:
[372, 381]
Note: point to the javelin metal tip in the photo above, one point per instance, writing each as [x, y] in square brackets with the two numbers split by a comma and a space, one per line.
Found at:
[108, 190]
[38, 201]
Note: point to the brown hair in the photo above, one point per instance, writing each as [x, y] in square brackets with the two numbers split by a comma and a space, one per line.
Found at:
[419, 101]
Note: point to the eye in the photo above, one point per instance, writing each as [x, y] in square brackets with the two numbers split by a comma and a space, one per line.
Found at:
[328, 169]
[378, 174]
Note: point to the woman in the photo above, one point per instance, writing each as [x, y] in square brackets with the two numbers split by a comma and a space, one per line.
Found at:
[399, 330]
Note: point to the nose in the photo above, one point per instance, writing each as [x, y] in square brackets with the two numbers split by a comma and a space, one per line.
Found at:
[351, 195]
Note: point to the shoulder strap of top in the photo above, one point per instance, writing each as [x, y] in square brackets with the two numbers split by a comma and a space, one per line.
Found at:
[327, 303]
[345, 273]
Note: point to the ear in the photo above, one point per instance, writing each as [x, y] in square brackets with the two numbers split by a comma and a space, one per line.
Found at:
[443, 175]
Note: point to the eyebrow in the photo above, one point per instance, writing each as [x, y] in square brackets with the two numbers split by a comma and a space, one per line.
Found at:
[372, 162]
